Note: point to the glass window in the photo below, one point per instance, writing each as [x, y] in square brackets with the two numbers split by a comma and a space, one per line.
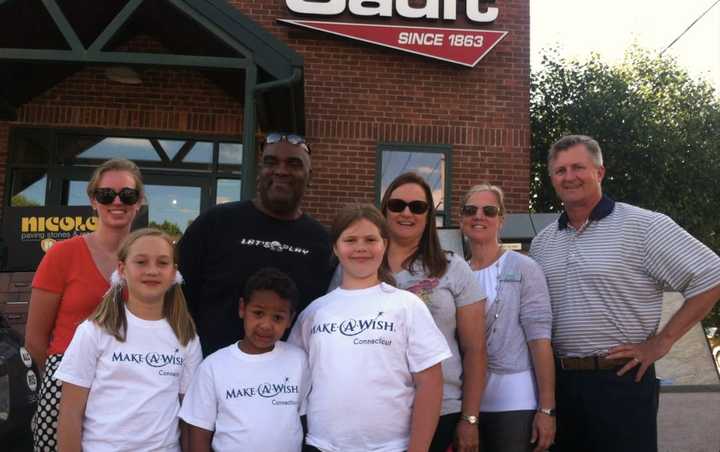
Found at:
[171, 147]
[101, 148]
[28, 188]
[201, 152]
[228, 190]
[52, 167]
[76, 193]
[231, 153]
[171, 207]
[30, 149]
[428, 162]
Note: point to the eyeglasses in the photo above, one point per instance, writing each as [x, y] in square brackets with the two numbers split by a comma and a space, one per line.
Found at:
[416, 207]
[128, 196]
[297, 140]
[469, 210]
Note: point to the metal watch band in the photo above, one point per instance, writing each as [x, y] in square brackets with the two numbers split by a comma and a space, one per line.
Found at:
[470, 419]
[548, 411]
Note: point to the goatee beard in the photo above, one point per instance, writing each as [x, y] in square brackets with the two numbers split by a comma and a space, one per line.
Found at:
[280, 206]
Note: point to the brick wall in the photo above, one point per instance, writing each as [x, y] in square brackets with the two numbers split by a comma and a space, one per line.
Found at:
[359, 95]
[356, 95]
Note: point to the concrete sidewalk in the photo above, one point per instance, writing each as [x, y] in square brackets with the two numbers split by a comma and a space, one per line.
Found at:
[689, 417]
[689, 421]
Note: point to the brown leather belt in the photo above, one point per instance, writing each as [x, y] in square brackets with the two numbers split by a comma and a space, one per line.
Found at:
[590, 363]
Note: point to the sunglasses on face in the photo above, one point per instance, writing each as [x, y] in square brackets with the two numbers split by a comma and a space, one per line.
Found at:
[469, 210]
[297, 140]
[128, 196]
[416, 207]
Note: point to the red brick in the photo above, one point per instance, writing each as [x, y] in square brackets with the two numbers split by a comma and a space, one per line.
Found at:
[356, 97]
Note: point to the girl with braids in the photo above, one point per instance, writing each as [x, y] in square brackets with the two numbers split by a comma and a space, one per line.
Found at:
[129, 364]
[71, 280]
[374, 351]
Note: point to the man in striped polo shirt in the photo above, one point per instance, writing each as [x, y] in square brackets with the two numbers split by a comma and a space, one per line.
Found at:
[607, 263]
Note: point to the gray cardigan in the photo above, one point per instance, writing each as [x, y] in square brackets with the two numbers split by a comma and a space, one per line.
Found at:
[521, 313]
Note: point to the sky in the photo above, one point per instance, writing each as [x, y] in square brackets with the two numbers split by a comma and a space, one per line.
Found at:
[609, 27]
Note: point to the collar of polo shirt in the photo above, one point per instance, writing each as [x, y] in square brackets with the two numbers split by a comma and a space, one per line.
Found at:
[600, 211]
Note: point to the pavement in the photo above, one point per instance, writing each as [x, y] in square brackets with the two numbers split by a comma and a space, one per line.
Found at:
[689, 416]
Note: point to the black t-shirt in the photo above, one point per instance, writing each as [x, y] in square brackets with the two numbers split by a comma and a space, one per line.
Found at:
[225, 245]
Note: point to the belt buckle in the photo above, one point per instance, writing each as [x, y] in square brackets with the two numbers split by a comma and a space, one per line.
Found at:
[562, 364]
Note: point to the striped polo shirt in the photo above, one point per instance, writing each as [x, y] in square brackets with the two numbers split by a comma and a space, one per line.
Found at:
[606, 279]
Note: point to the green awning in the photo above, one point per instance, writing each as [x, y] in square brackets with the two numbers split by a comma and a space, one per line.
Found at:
[44, 42]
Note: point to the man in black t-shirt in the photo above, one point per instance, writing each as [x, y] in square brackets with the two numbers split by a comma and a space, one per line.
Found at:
[226, 244]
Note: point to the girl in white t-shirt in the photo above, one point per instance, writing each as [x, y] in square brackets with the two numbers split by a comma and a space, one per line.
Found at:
[374, 351]
[128, 365]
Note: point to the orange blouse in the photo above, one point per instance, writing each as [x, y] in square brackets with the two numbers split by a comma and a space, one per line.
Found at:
[68, 269]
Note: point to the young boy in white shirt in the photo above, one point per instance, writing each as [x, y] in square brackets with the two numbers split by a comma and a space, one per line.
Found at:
[249, 395]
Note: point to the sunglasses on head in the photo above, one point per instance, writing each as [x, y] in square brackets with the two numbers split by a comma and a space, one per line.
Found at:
[416, 207]
[128, 196]
[469, 210]
[297, 140]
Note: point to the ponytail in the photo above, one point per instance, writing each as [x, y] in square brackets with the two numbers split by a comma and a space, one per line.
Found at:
[110, 314]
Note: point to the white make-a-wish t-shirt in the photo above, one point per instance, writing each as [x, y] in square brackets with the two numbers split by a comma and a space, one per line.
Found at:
[134, 385]
[363, 347]
[252, 402]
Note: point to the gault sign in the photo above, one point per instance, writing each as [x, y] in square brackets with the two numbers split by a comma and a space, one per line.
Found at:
[464, 46]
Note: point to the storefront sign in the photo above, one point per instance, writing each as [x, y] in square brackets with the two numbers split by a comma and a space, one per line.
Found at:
[464, 46]
[28, 232]
[388, 8]
[456, 45]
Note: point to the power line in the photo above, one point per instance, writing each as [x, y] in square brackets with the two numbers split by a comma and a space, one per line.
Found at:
[690, 26]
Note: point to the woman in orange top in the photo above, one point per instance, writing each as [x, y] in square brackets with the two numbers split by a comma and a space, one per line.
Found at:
[71, 280]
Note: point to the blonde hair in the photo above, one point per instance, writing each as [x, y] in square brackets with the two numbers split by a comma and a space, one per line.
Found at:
[116, 165]
[110, 314]
[486, 186]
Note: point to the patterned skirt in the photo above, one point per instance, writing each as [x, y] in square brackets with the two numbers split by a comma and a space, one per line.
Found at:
[44, 423]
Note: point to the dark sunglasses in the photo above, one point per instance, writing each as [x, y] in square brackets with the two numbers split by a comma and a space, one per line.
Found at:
[416, 207]
[128, 196]
[469, 210]
[297, 140]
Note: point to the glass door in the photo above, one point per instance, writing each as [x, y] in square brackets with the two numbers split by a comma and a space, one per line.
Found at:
[173, 202]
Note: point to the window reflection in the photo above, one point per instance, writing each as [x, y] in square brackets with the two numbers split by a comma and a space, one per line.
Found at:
[429, 165]
[228, 190]
[171, 147]
[171, 207]
[40, 159]
[201, 152]
[28, 188]
[76, 194]
[130, 148]
[230, 154]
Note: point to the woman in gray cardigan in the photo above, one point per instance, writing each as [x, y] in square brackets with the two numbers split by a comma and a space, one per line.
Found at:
[518, 407]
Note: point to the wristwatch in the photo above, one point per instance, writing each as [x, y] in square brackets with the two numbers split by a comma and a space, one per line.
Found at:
[548, 411]
[470, 419]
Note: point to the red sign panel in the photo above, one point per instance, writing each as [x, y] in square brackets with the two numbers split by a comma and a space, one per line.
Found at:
[456, 45]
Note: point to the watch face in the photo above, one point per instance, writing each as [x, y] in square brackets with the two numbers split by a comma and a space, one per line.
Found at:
[470, 419]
